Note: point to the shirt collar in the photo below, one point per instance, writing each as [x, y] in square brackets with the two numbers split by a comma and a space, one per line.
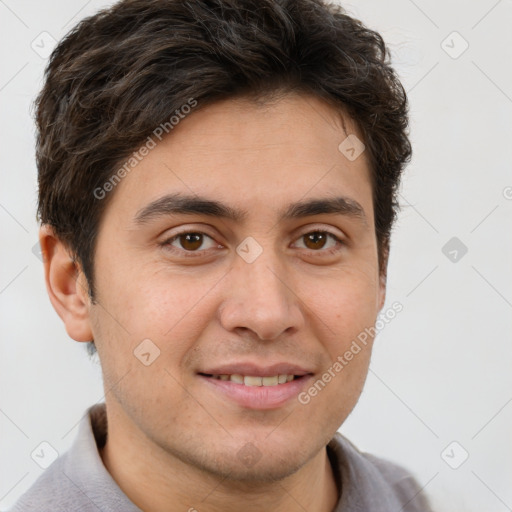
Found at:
[358, 479]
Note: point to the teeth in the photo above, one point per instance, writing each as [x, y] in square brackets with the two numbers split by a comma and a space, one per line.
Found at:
[250, 380]
[270, 381]
[253, 381]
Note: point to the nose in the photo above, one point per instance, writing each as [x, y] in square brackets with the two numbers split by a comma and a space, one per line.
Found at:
[260, 297]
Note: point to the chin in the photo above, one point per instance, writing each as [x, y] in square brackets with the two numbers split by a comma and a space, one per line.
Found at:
[247, 465]
[268, 469]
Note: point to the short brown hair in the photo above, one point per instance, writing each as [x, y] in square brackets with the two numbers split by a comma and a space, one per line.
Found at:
[122, 72]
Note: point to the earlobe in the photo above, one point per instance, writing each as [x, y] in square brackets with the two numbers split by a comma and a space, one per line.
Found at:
[66, 285]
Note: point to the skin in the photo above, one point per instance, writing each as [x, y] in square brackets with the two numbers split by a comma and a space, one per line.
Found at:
[171, 438]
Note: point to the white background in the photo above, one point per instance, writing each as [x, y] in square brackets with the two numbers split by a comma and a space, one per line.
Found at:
[441, 370]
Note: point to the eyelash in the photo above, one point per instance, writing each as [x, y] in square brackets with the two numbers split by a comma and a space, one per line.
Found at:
[194, 254]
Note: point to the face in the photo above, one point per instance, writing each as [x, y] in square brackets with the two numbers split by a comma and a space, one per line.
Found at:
[243, 244]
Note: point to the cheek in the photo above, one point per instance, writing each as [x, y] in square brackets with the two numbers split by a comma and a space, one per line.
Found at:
[345, 301]
[152, 302]
[344, 313]
[171, 311]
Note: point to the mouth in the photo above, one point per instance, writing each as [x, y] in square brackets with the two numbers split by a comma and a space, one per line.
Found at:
[260, 392]
[254, 380]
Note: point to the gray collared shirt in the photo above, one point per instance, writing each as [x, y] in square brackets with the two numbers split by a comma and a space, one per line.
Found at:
[78, 480]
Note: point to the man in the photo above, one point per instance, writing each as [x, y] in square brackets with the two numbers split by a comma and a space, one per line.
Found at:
[217, 187]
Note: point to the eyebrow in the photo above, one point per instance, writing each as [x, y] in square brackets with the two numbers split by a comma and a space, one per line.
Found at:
[192, 204]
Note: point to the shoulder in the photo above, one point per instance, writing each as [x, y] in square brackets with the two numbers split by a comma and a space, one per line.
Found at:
[371, 483]
[404, 485]
[78, 480]
[53, 491]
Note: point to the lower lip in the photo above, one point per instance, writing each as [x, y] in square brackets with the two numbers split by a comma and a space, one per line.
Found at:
[258, 397]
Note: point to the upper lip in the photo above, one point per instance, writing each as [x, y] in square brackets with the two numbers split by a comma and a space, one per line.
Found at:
[252, 369]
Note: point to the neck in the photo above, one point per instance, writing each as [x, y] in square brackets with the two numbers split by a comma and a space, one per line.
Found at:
[158, 478]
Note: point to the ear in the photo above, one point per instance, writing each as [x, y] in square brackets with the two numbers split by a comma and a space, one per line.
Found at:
[66, 285]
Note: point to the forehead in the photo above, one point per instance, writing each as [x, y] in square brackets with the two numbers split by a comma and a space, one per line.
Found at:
[250, 155]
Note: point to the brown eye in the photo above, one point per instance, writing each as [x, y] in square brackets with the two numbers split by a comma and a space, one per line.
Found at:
[191, 241]
[320, 241]
[315, 240]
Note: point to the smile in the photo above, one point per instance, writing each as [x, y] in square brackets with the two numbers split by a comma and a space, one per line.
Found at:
[250, 380]
[256, 392]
